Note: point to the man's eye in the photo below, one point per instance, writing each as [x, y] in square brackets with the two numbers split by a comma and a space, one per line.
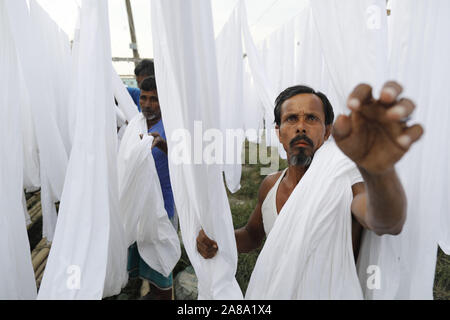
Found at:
[292, 118]
[311, 117]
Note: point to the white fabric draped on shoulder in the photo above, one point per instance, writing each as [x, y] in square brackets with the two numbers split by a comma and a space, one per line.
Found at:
[186, 72]
[308, 253]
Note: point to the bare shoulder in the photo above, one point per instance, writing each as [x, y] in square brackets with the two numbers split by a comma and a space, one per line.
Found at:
[268, 184]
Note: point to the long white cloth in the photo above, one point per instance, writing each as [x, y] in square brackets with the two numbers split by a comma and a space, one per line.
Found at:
[353, 38]
[186, 72]
[141, 201]
[29, 31]
[264, 86]
[308, 254]
[419, 50]
[231, 84]
[88, 255]
[16, 271]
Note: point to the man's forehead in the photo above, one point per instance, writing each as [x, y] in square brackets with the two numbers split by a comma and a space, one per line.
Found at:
[305, 102]
[149, 93]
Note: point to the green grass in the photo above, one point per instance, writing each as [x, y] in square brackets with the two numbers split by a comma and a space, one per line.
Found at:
[442, 277]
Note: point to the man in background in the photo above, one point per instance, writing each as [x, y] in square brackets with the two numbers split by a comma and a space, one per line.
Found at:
[144, 69]
[160, 286]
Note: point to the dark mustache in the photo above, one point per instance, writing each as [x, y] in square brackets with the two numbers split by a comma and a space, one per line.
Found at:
[304, 138]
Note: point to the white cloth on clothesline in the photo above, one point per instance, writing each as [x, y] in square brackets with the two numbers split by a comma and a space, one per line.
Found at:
[186, 73]
[308, 253]
[16, 271]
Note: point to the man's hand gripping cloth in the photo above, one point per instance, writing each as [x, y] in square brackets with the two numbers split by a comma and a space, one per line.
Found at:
[308, 254]
[141, 201]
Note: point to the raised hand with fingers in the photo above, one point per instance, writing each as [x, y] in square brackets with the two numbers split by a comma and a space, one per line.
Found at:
[376, 135]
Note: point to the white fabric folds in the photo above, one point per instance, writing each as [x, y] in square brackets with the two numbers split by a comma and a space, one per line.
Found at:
[89, 254]
[16, 271]
[141, 201]
[186, 72]
[419, 51]
[30, 30]
[230, 63]
[308, 254]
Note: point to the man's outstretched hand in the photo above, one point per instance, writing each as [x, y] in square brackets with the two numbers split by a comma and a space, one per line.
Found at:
[375, 135]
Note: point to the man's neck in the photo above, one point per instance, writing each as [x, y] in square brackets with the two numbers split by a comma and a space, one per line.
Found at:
[295, 174]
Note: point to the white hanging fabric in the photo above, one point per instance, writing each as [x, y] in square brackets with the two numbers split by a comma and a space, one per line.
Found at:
[264, 87]
[88, 255]
[277, 52]
[308, 254]
[231, 84]
[186, 73]
[253, 111]
[29, 32]
[353, 38]
[419, 50]
[16, 271]
[124, 100]
[56, 46]
[141, 201]
[31, 178]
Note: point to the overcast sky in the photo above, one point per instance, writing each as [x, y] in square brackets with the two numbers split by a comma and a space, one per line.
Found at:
[265, 16]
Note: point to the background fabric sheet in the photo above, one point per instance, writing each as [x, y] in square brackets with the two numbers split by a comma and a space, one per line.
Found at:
[186, 72]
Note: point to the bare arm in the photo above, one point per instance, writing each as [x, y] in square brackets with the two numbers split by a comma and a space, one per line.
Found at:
[251, 236]
[380, 203]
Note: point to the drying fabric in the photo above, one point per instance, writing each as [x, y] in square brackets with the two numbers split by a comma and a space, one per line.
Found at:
[407, 262]
[353, 38]
[253, 111]
[124, 100]
[16, 271]
[308, 253]
[141, 201]
[31, 178]
[231, 83]
[265, 88]
[186, 72]
[30, 29]
[88, 255]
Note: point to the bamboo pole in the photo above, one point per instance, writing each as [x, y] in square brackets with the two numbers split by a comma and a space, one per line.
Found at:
[40, 257]
[38, 247]
[34, 209]
[132, 32]
[36, 215]
[41, 268]
[35, 198]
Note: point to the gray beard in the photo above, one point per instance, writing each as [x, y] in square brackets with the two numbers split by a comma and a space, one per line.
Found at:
[300, 159]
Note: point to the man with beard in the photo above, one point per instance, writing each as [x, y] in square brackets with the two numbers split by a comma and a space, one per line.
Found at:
[160, 286]
[374, 136]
